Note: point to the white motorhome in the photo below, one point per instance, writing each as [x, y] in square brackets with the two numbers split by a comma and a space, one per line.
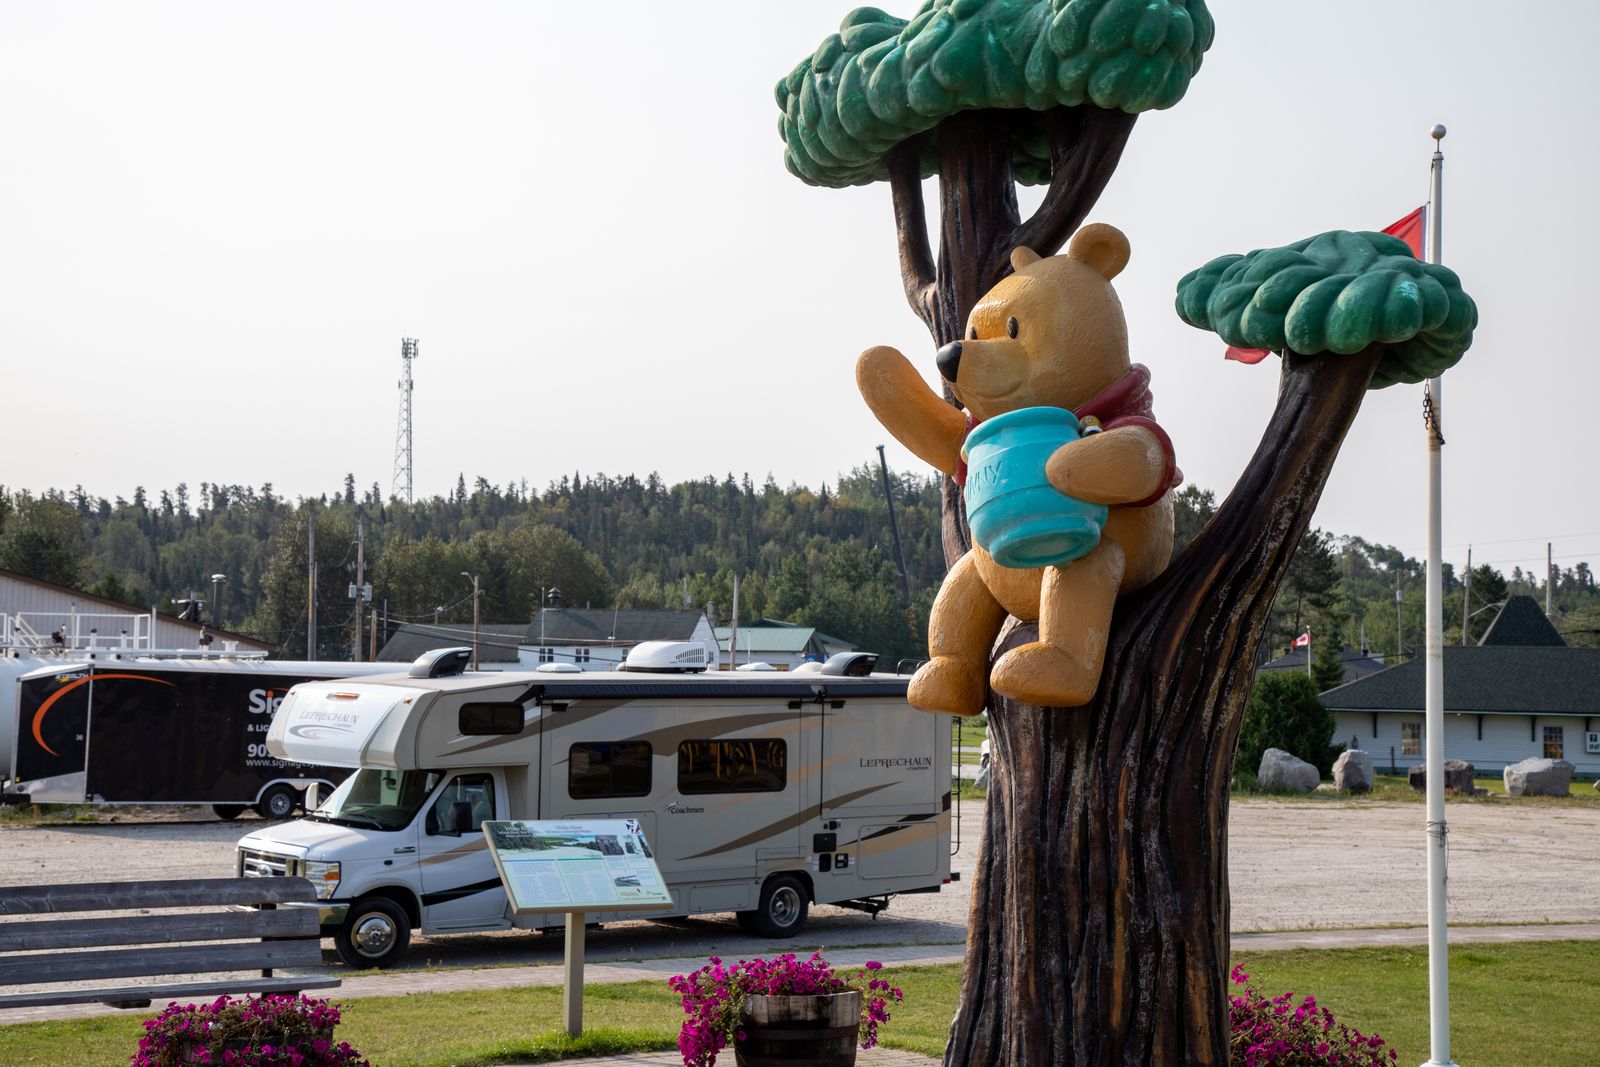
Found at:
[759, 793]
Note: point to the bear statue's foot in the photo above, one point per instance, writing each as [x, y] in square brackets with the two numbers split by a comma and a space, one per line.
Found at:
[948, 685]
[1043, 674]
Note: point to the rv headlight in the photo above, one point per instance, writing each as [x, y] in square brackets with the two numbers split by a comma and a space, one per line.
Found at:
[324, 876]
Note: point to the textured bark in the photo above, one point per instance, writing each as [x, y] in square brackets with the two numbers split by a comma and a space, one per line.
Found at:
[979, 223]
[1099, 924]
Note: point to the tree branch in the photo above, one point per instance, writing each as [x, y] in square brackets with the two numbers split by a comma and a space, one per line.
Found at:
[1086, 142]
[911, 229]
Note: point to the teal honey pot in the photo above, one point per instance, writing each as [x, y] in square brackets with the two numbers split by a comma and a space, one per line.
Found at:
[1014, 512]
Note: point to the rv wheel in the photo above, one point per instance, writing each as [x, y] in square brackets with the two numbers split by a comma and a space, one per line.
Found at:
[278, 802]
[375, 934]
[782, 911]
[227, 812]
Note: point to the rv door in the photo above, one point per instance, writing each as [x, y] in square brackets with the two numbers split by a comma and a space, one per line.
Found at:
[460, 883]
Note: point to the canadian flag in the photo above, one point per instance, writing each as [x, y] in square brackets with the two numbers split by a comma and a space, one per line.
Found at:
[1408, 229]
[1303, 641]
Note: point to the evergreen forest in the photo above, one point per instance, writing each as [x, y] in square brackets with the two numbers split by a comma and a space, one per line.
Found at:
[820, 557]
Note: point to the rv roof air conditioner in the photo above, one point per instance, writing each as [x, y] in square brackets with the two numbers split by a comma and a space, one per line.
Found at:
[667, 657]
[441, 663]
[850, 664]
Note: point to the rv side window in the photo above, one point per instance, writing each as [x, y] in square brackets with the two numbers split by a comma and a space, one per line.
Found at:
[490, 719]
[597, 769]
[754, 766]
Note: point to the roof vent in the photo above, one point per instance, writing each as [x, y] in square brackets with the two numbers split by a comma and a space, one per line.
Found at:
[441, 663]
[756, 665]
[559, 668]
[667, 657]
[850, 664]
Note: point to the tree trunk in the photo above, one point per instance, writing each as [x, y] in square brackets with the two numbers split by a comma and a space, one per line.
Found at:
[1099, 925]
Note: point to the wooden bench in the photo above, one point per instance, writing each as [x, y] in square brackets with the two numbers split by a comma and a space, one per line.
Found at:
[259, 937]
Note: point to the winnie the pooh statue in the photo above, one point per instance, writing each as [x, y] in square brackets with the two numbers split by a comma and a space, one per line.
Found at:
[1046, 347]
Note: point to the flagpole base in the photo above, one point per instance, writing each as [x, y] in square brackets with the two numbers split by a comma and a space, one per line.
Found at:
[1436, 1063]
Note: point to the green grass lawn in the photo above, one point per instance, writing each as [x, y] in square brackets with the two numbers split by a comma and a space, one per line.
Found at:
[1511, 1006]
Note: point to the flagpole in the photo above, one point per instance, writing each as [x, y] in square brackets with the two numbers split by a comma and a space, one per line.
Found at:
[1308, 651]
[1438, 929]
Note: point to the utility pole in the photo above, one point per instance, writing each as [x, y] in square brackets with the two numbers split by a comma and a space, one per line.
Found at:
[894, 528]
[311, 599]
[1549, 584]
[475, 592]
[361, 573]
[1466, 597]
[1399, 646]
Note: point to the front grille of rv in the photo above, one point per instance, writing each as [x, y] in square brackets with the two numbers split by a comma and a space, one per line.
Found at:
[254, 864]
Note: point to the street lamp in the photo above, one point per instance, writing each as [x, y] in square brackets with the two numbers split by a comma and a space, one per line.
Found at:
[474, 579]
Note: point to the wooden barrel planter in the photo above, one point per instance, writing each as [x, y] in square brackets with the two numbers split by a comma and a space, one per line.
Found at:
[815, 1031]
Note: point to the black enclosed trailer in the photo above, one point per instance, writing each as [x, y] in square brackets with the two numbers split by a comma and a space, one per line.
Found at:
[163, 731]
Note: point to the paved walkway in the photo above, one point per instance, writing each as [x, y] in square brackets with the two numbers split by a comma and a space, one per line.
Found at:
[403, 982]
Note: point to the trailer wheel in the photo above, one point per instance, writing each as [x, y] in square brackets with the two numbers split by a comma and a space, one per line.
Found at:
[278, 802]
[375, 934]
[782, 910]
[227, 812]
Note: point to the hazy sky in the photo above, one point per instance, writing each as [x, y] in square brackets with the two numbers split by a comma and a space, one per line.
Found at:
[217, 221]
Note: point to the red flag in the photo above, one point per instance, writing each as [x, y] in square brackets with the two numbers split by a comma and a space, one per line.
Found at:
[1409, 229]
[1303, 640]
[1246, 355]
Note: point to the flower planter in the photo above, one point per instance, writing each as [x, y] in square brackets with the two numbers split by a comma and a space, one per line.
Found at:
[816, 1031]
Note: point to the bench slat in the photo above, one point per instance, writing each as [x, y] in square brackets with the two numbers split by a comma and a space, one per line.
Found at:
[34, 934]
[178, 893]
[162, 994]
[41, 967]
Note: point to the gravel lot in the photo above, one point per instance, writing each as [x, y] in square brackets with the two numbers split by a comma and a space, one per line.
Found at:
[1294, 865]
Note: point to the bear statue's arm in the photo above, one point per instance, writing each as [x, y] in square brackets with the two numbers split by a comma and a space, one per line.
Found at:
[919, 418]
[1124, 465]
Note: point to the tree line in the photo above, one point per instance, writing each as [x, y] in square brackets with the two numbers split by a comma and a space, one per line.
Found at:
[820, 557]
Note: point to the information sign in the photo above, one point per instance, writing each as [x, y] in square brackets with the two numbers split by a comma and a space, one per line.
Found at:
[600, 865]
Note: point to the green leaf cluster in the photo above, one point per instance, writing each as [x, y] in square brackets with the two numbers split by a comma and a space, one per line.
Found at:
[1337, 292]
[881, 79]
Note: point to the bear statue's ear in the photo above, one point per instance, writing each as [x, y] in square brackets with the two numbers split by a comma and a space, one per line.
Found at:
[1102, 247]
[1022, 255]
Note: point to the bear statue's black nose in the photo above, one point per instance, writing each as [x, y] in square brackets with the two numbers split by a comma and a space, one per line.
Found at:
[949, 360]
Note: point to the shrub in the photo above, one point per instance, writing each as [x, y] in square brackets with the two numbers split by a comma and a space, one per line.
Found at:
[1284, 712]
[1277, 1032]
[275, 1030]
[713, 996]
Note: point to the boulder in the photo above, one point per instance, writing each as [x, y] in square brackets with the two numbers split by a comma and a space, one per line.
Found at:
[1280, 770]
[1458, 775]
[1539, 777]
[1352, 771]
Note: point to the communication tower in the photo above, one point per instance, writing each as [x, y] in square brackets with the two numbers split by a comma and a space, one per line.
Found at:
[402, 437]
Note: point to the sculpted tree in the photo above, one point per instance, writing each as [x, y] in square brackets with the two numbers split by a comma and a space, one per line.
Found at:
[1099, 922]
[985, 94]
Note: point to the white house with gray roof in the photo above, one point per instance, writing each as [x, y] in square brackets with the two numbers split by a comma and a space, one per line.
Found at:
[1520, 692]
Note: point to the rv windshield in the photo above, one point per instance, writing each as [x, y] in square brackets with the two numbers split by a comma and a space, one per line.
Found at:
[379, 799]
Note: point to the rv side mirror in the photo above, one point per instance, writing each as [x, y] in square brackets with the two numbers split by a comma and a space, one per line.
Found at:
[459, 819]
[430, 824]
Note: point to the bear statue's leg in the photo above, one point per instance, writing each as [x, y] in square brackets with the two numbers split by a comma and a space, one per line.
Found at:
[961, 630]
[1062, 668]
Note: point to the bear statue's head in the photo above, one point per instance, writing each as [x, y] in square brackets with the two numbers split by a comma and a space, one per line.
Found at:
[1052, 333]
